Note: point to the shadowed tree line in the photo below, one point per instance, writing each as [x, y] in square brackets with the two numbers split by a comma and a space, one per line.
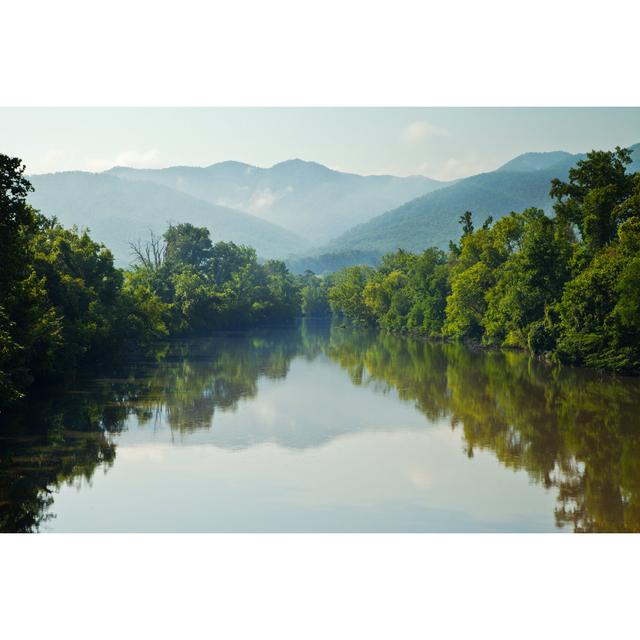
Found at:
[62, 439]
[49, 443]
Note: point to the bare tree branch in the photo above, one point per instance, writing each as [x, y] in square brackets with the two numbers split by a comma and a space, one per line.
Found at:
[150, 254]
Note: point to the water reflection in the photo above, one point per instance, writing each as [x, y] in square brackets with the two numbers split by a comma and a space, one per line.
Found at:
[51, 442]
[572, 429]
[574, 432]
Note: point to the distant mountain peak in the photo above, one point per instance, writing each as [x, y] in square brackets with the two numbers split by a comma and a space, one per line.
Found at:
[297, 161]
[230, 164]
[536, 161]
[308, 198]
[299, 164]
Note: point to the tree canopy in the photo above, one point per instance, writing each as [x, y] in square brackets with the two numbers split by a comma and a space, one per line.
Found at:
[64, 305]
[565, 287]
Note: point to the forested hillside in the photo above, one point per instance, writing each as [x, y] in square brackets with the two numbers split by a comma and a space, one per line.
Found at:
[431, 220]
[566, 287]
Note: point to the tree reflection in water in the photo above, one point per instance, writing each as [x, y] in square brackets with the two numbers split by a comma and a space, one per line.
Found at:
[576, 431]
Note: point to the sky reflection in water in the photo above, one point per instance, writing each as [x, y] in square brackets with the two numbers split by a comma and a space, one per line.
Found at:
[322, 428]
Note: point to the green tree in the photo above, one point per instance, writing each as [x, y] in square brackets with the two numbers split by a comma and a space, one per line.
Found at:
[466, 221]
[529, 280]
[83, 287]
[314, 295]
[29, 328]
[598, 322]
[228, 258]
[592, 198]
[346, 294]
[282, 294]
[187, 246]
[429, 286]
[473, 273]
[201, 287]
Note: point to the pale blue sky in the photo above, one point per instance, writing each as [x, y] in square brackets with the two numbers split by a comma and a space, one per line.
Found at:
[443, 143]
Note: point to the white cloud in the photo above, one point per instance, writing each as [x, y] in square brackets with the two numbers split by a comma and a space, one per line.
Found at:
[140, 159]
[261, 200]
[455, 168]
[149, 159]
[421, 130]
[452, 168]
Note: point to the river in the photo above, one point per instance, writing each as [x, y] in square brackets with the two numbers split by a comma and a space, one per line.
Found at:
[325, 428]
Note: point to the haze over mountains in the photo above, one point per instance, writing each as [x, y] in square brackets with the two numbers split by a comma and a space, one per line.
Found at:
[120, 211]
[309, 199]
[296, 208]
[432, 219]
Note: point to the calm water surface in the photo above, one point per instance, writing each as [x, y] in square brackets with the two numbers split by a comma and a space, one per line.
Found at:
[323, 428]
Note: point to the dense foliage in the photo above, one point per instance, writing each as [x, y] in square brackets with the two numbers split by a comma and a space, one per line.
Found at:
[64, 305]
[566, 286]
[200, 286]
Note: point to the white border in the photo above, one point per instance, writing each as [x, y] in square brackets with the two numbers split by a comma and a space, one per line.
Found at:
[319, 53]
[319, 586]
[413, 53]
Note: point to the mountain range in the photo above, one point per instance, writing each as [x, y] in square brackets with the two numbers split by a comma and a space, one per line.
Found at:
[309, 199]
[313, 216]
[432, 219]
[121, 211]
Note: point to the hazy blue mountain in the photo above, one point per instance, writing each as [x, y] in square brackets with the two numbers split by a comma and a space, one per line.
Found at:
[559, 160]
[635, 156]
[307, 198]
[329, 262]
[121, 205]
[120, 211]
[539, 161]
[432, 219]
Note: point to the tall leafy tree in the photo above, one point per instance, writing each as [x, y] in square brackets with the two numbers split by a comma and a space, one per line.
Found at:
[591, 198]
[187, 246]
[346, 295]
[529, 280]
[29, 329]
